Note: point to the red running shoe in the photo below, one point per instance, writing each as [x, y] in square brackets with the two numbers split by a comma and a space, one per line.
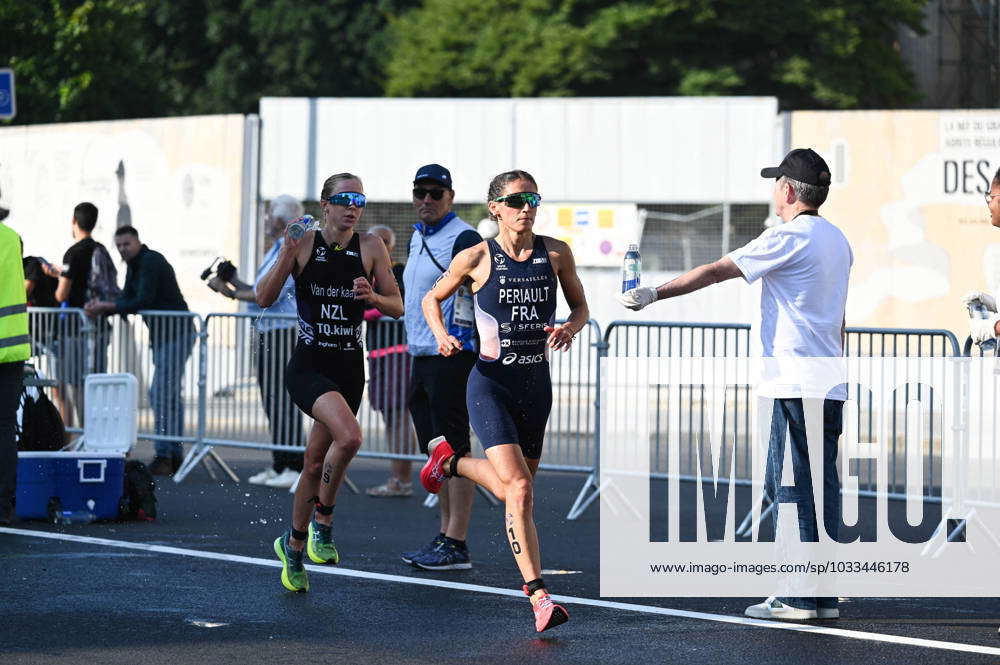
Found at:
[432, 475]
[547, 613]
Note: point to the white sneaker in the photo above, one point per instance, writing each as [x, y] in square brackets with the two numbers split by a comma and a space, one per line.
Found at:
[262, 477]
[284, 479]
[772, 608]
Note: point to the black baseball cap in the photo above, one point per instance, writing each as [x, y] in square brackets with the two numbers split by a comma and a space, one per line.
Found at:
[435, 172]
[802, 164]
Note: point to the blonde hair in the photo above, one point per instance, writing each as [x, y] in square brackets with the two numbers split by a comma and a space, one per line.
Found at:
[331, 183]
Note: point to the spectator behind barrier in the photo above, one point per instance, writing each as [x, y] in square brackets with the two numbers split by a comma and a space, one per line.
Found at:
[275, 342]
[983, 330]
[150, 284]
[389, 384]
[78, 354]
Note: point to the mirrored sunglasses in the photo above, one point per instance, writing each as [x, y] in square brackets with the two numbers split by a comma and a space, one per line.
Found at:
[346, 199]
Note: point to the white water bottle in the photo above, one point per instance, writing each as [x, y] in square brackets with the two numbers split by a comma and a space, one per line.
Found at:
[631, 268]
[300, 226]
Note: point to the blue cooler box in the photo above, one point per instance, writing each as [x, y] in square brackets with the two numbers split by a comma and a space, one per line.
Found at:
[74, 478]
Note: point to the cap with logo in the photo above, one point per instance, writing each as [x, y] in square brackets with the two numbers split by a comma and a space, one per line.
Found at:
[802, 164]
[434, 172]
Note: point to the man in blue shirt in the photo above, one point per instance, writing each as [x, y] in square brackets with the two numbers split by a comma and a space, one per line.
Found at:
[437, 393]
[274, 346]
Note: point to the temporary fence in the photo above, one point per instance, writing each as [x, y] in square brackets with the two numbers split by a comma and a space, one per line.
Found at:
[657, 339]
[218, 381]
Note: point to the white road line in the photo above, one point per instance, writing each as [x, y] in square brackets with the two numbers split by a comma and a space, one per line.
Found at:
[476, 588]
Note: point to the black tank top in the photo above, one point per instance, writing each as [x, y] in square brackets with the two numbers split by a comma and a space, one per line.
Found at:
[329, 316]
[514, 306]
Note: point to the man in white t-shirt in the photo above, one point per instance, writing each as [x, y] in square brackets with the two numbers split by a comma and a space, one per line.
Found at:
[804, 266]
[985, 329]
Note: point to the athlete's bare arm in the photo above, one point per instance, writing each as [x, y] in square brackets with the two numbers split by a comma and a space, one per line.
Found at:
[564, 267]
[385, 296]
[289, 259]
[470, 263]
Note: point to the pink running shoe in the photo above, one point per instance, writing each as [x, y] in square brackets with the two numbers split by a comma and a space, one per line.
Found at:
[432, 475]
[547, 613]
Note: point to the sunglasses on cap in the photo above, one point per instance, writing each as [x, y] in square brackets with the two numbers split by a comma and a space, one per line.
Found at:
[519, 200]
[346, 199]
[436, 194]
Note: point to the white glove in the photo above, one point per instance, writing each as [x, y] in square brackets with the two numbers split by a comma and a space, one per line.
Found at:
[636, 299]
[989, 302]
[983, 329]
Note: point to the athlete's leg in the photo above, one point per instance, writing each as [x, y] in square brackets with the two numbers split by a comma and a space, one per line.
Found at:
[444, 507]
[532, 465]
[332, 411]
[460, 496]
[479, 471]
[302, 505]
[515, 476]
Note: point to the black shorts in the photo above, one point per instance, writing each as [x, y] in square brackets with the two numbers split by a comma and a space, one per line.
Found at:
[437, 399]
[311, 374]
[510, 405]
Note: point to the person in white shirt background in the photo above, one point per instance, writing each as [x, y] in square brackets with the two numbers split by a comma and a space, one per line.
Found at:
[986, 329]
[804, 266]
[275, 342]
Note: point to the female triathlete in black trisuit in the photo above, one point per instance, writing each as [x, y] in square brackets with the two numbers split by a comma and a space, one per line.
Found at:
[325, 375]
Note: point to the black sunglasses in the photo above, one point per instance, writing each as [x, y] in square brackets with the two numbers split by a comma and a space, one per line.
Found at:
[436, 194]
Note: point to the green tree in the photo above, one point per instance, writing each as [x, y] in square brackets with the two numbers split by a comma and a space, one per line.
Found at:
[223, 55]
[810, 54]
[107, 59]
[77, 60]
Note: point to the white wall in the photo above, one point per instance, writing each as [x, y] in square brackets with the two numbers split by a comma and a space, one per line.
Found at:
[182, 187]
[634, 149]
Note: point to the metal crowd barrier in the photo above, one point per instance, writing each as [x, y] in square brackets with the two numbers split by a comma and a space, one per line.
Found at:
[219, 381]
[59, 352]
[654, 339]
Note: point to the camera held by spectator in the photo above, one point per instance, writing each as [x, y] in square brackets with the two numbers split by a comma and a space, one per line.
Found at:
[223, 268]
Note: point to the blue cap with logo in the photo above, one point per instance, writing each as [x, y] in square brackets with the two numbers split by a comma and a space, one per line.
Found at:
[435, 172]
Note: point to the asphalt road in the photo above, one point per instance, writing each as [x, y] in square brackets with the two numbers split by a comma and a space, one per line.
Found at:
[201, 585]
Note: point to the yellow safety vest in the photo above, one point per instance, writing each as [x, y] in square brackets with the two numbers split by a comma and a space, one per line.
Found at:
[15, 345]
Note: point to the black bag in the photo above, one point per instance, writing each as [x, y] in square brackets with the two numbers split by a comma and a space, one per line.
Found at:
[138, 500]
[41, 425]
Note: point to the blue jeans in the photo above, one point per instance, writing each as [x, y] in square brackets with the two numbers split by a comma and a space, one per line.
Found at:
[788, 416]
[169, 358]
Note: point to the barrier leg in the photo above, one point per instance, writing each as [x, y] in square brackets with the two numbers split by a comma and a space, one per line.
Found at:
[431, 500]
[590, 491]
[747, 523]
[350, 485]
[194, 456]
[225, 467]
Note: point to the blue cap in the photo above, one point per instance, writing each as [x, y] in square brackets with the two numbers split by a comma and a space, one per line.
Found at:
[435, 172]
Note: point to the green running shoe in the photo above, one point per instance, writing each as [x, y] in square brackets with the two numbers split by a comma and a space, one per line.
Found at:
[293, 572]
[320, 545]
